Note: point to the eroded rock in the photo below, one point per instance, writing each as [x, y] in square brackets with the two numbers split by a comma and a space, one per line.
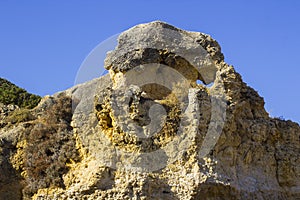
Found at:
[149, 130]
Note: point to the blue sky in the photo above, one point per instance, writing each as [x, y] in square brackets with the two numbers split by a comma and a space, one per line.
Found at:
[43, 43]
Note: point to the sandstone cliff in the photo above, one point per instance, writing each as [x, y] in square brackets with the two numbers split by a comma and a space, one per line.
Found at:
[171, 120]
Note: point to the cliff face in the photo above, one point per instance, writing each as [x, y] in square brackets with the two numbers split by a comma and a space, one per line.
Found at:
[172, 120]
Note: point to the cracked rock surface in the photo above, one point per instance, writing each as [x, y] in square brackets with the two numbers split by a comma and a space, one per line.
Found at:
[150, 130]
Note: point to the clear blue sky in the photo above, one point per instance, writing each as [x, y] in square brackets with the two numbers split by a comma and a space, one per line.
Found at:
[43, 43]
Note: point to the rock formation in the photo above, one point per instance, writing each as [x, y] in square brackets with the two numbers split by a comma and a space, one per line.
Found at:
[171, 120]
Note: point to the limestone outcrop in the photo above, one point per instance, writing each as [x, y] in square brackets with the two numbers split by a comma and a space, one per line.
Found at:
[171, 120]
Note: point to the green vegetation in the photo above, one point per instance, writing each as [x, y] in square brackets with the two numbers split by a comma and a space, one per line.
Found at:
[19, 115]
[12, 94]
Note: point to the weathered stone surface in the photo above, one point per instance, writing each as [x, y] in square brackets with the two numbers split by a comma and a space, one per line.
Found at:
[158, 42]
[167, 139]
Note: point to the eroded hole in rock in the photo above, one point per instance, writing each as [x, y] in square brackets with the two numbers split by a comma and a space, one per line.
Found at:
[139, 111]
[155, 91]
[199, 82]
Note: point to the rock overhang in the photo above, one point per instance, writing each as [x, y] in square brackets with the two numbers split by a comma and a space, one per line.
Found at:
[159, 42]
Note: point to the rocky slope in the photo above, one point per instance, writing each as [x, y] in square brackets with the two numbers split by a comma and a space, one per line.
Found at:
[172, 120]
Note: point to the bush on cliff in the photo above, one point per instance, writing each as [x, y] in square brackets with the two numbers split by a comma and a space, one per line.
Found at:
[50, 146]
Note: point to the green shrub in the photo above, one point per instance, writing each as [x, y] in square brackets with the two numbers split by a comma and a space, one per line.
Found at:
[12, 94]
[19, 115]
